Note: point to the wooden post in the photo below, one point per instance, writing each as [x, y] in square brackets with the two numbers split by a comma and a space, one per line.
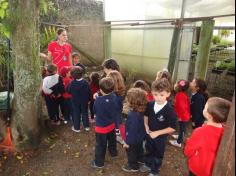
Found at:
[107, 40]
[174, 49]
[225, 161]
[204, 49]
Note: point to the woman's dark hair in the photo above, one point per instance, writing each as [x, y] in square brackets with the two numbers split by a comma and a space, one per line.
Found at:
[60, 30]
[111, 64]
[106, 85]
[76, 72]
[142, 84]
[95, 77]
[202, 87]
[137, 100]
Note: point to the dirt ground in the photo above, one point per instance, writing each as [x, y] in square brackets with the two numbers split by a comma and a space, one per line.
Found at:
[66, 153]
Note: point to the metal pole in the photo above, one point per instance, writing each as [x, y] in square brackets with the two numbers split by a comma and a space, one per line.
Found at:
[8, 82]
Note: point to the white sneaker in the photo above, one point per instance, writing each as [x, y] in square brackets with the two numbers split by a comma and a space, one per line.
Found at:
[65, 121]
[73, 129]
[175, 136]
[87, 129]
[174, 143]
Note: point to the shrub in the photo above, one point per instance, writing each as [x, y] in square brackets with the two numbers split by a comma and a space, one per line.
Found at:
[216, 39]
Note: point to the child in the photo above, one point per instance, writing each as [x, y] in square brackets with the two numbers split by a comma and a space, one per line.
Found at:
[159, 121]
[80, 91]
[201, 148]
[182, 110]
[164, 74]
[67, 106]
[94, 87]
[135, 131]
[144, 86]
[119, 90]
[75, 60]
[53, 89]
[106, 110]
[198, 99]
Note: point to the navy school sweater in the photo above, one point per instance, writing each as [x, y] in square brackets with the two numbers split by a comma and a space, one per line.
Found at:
[80, 91]
[106, 109]
[196, 106]
[165, 118]
[135, 131]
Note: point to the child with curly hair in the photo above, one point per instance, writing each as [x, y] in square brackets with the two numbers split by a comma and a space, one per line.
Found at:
[135, 131]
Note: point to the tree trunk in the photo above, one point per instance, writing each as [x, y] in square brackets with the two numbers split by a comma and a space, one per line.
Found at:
[24, 21]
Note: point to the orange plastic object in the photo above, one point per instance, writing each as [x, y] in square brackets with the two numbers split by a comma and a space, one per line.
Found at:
[7, 144]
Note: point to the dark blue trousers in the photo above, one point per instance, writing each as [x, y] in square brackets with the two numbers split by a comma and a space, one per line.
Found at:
[80, 111]
[155, 149]
[135, 154]
[52, 107]
[182, 131]
[67, 109]
[102, 141]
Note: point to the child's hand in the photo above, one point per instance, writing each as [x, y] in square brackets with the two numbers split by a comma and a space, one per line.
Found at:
[147, 130]
[95, 96]
[126, 146]
[153, 135]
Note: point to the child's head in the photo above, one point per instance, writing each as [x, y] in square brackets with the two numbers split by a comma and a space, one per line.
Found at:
[76, 72]
[119, 82]
[109, 65]
[163, 74]
[94, 78]
[161, 90]
[142, 85]
[217, 109]
[199, 85]
[181, 86]
[64, 71]
[75, 58]
[51, 69]
[137, 100]
[106, 85]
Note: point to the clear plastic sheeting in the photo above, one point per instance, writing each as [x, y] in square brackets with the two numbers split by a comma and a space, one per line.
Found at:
[142, 51]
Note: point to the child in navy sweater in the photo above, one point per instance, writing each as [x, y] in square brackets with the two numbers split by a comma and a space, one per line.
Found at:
[106, 110]
[81, 94]
[159, 121]
[135, 131]
[53, 89]
[198, 100]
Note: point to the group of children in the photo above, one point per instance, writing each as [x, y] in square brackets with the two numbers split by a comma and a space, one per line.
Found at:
[150, 115]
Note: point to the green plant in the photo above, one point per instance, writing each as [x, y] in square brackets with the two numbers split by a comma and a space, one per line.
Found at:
[225, 33]
[216, 39]
[48, 35]
[226, 42]
[231, 66]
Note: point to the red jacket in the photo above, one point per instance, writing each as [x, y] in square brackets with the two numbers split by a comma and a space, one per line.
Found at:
[201, 149]
[66, 82]
[182, 106]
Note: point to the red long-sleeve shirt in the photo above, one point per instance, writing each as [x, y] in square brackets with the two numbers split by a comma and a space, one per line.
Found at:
[66, 82]
[201, 149]
[182, 106]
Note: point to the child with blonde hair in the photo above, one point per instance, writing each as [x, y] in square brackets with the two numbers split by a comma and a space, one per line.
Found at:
[119, 90]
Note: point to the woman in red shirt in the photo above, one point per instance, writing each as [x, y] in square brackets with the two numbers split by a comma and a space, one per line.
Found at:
[59, 51]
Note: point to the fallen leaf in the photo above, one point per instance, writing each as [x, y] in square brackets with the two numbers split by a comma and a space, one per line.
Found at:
[52, 146]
